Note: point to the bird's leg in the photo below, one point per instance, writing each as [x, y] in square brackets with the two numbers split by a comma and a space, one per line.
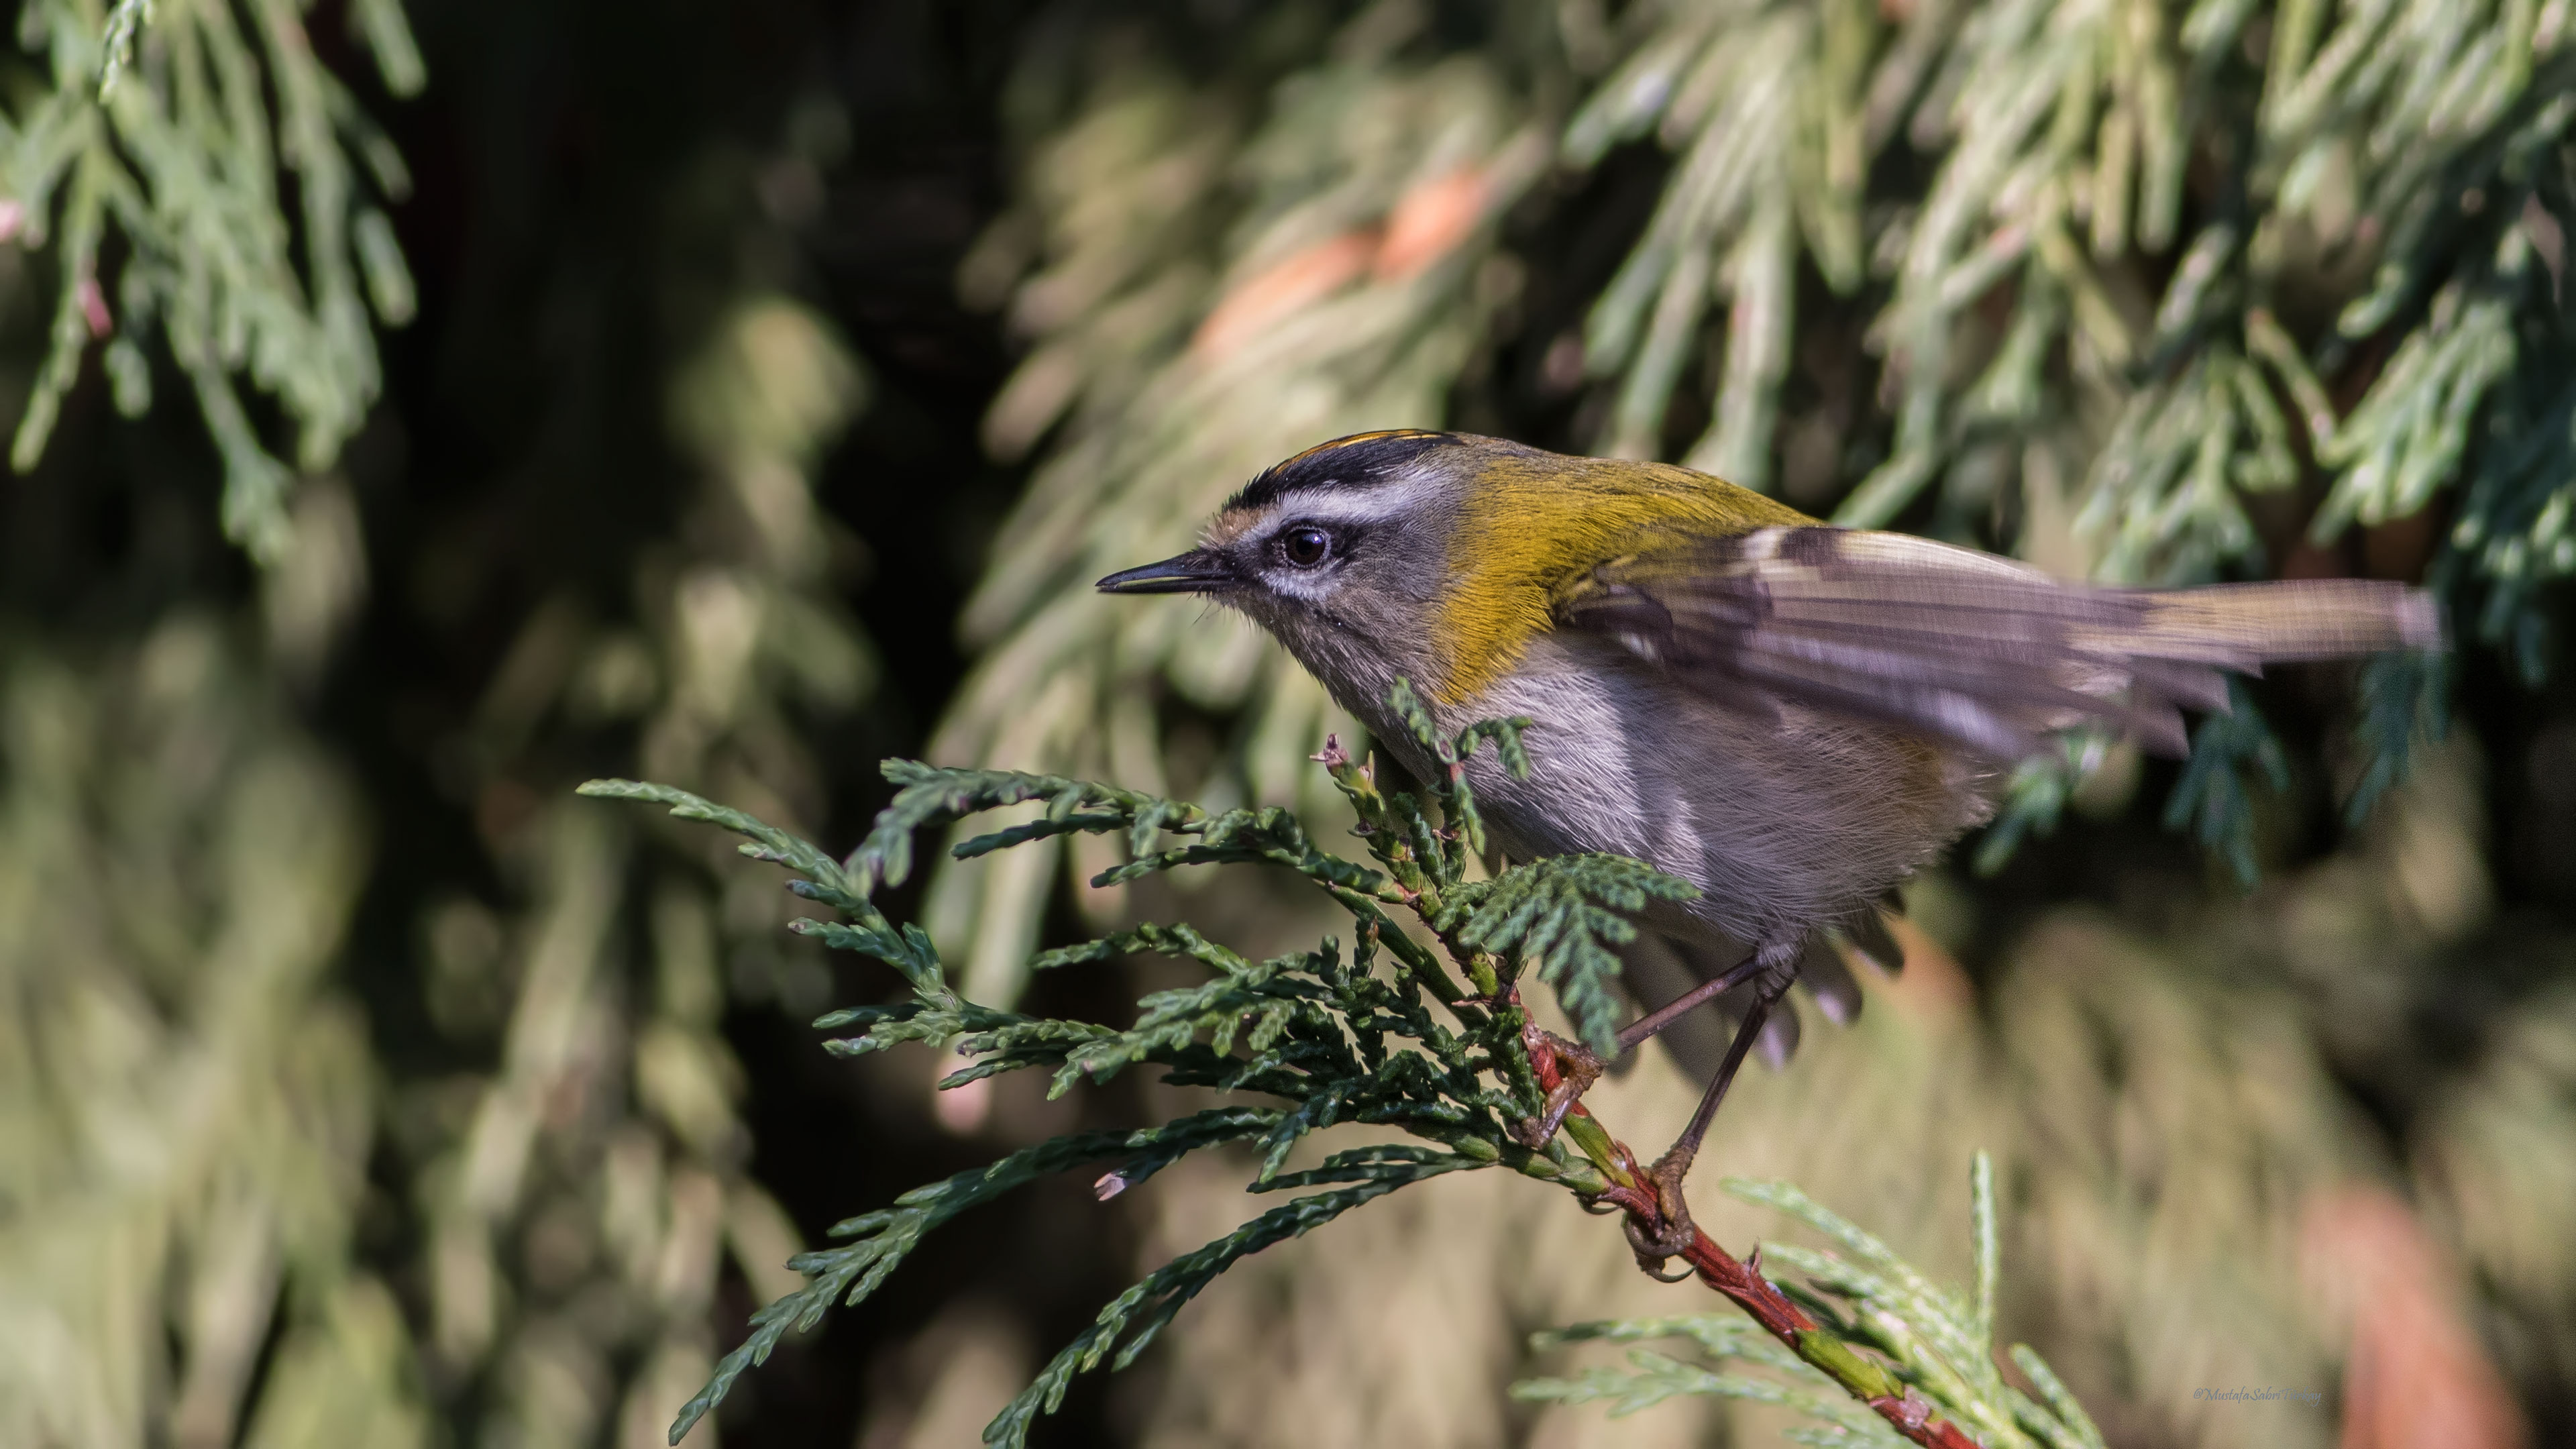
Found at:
[1580, 1067]
[1655, 1021]
[1775, 968]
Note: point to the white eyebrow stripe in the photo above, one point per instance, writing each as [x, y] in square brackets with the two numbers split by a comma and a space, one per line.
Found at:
[1375, 504]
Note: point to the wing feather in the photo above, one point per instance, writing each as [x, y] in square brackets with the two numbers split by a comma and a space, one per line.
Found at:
[1982, 652]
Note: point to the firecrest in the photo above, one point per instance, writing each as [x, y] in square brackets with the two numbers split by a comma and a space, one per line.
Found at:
[1790, 716]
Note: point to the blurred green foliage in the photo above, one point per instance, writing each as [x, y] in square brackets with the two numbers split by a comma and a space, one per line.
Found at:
[500, 1204]
[187, 1100]
[192, 126]
[384, 1091]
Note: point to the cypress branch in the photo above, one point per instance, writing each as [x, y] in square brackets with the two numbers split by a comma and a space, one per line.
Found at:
[1381, 1039]
[1936, 1345]
[1562, 915]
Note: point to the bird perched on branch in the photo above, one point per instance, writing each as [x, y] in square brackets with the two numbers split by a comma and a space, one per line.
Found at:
[1790, 716]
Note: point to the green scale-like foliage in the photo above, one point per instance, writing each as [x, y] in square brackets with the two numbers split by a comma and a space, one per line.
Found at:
[184, 126]
[1386, 1035]
[1328, 1037]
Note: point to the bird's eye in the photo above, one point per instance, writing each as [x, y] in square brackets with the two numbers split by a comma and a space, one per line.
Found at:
[1306, 547]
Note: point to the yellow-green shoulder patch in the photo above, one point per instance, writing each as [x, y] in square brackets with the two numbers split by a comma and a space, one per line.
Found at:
[1536, 524]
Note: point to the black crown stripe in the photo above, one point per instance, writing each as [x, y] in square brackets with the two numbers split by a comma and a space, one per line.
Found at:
[1362, 460]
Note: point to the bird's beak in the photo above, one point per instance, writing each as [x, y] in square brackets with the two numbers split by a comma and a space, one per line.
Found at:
[1197, 572]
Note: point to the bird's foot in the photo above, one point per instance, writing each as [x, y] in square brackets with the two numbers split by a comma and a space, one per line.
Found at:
[1673, 1232]
[1567, 1069]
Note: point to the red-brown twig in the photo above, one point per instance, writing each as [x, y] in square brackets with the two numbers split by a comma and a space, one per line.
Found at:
[1864, 1378]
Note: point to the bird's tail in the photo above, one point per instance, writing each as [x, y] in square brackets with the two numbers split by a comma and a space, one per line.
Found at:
[2244, 626]
[2170, 650]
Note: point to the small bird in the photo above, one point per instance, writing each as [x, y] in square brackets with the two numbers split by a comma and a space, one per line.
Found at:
[1790, 716]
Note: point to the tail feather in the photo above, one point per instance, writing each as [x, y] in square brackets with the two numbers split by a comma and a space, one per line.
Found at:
[2178, 653]
[2245, 626]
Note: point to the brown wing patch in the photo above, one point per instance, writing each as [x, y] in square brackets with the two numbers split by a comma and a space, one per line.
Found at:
[1973, 650]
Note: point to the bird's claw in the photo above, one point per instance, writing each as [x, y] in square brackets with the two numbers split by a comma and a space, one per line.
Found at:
[1574, 1068]
[1674, 1231]
[1657, 1273]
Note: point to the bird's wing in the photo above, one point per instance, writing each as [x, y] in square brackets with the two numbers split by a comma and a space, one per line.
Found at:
[1978, 651]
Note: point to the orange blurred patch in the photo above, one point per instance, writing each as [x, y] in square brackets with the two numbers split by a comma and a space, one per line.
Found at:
[2416, 1374]
[1283, 289]
[1932, 983]
[1427, 223]
[1430, 221]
